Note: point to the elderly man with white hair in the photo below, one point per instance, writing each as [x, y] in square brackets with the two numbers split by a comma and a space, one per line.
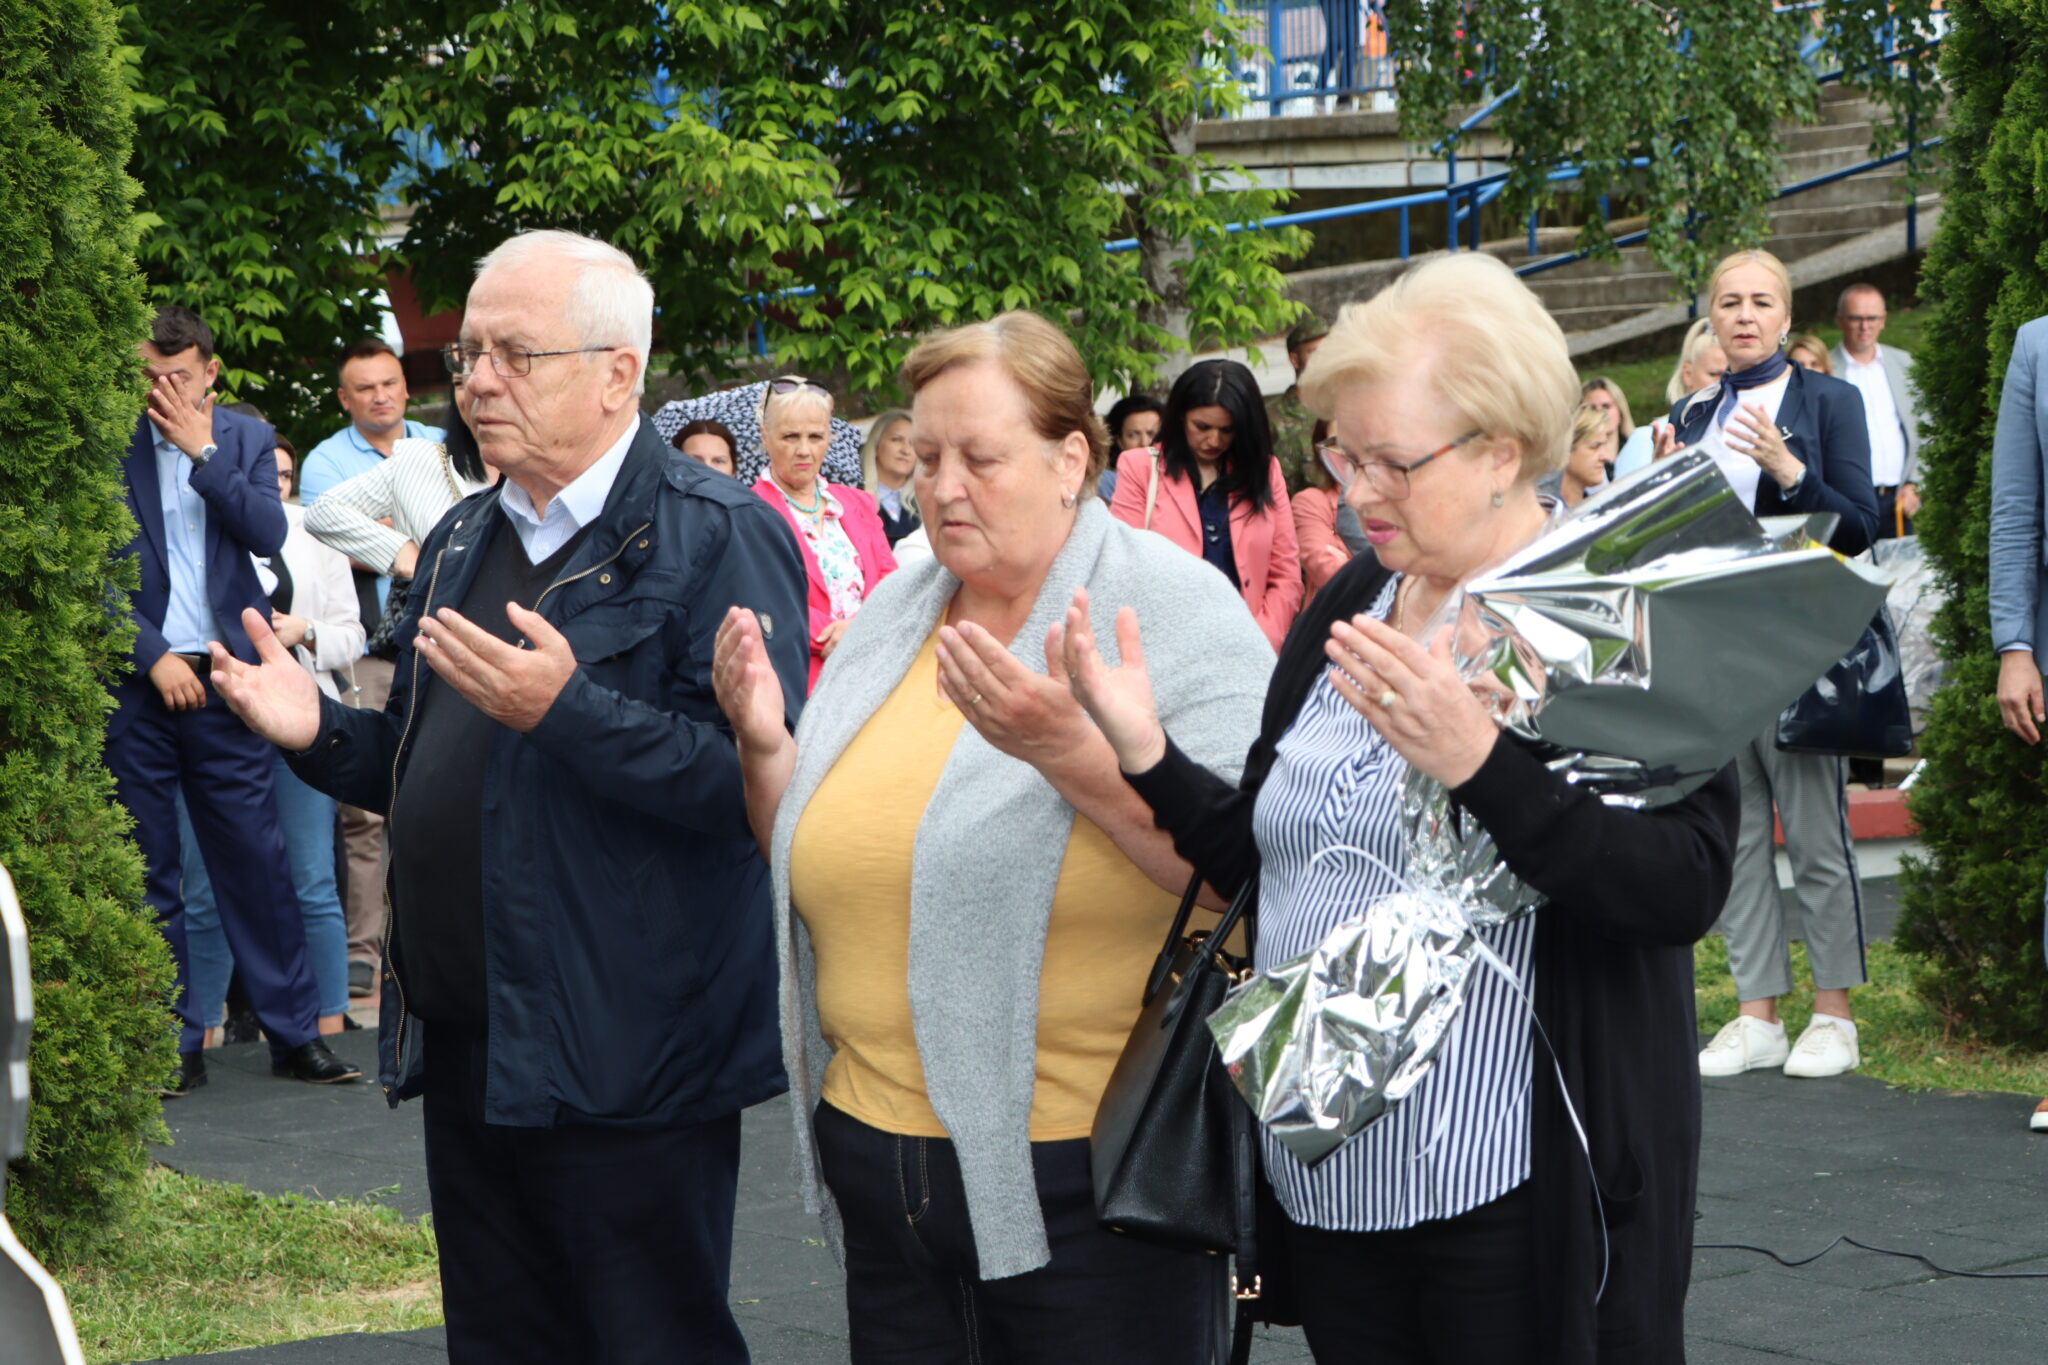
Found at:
[578, 970]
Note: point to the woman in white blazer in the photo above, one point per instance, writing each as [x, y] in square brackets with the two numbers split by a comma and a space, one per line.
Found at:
[412, 489]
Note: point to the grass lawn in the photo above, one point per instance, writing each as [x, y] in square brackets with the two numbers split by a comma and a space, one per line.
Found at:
[1902, 1042]
[1643, 380]
[212, 1267]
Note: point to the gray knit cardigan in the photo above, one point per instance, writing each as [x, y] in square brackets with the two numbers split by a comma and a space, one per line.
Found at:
[989, 848]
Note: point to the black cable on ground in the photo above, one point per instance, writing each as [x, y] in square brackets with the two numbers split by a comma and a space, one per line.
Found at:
[1881, 1251]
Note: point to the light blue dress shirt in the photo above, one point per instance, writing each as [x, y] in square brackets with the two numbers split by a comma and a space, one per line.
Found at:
[188, 619]
[570, 510]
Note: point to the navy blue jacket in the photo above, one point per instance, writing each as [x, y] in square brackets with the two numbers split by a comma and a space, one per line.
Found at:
[629, 970]
[243, 518]
[1822, 422]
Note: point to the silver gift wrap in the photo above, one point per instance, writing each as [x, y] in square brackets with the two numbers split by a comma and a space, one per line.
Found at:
[1642, 639]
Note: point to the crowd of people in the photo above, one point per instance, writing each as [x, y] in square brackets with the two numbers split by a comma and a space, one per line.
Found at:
[646, 766]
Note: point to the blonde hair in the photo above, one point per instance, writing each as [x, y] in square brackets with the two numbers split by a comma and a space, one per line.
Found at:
[774, 404]
[1587, 423]
[1698, 338]
[1807, 341]
[1495, 354]
[877, 429]
[1039, 359]
[1752, 256]
[1625, 423]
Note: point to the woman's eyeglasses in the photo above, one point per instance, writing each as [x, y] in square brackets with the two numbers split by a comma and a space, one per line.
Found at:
[1387, 477]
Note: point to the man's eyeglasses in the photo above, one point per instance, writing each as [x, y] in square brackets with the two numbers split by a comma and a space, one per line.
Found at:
[511, 362]
[1388, 478]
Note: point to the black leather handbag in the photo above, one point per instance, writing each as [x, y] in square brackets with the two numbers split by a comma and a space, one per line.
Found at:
[1172, 1151]
[1859, 708]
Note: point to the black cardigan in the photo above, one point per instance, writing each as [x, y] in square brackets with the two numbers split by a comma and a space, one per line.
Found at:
[1629, 892]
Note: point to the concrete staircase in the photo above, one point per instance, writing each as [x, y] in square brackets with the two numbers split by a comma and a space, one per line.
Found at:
[1592, 295]
[1608, 307]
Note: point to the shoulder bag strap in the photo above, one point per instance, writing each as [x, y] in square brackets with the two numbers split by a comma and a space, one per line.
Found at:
[1152, 490]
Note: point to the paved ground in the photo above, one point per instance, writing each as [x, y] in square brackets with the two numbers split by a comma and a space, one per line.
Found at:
[1788, 1165]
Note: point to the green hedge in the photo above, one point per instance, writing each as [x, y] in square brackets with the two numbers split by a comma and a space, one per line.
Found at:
[71, 313]
[1973, 907]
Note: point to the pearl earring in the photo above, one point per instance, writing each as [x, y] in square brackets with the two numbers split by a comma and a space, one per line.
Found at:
[1067, 499]
[1499, 498]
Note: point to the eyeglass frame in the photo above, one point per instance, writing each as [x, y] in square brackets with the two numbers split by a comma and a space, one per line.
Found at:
[452, 353]
[1335, 458]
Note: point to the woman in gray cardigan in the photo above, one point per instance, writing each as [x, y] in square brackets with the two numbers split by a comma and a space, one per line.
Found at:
[968, 895]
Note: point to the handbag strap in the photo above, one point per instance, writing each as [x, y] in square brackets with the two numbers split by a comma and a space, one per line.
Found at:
[1241, 911]
[1152, 490]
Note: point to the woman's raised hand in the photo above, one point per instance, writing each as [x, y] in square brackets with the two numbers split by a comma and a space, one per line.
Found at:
[748, 689]
[1119, 699]
[1413, 696]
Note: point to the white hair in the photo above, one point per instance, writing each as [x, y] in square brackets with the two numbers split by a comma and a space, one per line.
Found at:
[611, 303]
[774, 405]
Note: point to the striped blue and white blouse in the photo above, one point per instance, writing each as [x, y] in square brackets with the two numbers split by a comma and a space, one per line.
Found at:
[1461, 1137]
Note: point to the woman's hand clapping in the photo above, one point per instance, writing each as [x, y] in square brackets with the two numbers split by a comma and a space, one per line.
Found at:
[748, 690]
[1024, 714]
[1119, 700]
[1413, 696]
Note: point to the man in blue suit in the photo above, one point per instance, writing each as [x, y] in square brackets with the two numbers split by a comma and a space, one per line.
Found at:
[2019, 549]
[202, 486]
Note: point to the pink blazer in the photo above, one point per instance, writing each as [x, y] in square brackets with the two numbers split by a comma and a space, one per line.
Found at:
[1268, 558]
[863, 526]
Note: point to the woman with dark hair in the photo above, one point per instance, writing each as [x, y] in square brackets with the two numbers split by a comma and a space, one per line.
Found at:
[710, 443]
[1133, 424]
[1214, 489]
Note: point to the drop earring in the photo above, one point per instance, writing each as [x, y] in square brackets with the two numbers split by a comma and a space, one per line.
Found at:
[1499, 498]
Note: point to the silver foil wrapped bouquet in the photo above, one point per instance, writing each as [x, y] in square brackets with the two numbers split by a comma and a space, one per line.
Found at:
[1641, 640]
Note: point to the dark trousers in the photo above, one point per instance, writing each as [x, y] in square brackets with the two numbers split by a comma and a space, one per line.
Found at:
[1889, 524]
[577, 1244]
[225, 772]
[1455, 1291]
[914, 1292]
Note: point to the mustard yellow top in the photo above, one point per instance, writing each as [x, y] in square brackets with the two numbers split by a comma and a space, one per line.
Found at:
[849, 879]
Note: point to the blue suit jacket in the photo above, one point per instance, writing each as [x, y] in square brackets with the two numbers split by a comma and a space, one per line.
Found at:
[243, 517]
[1822, 422]
[2019, 455]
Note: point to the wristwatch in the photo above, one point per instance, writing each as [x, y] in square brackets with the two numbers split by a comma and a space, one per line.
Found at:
[206, 452]
[312, 634]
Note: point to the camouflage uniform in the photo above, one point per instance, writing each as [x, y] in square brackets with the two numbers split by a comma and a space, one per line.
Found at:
[1293, 437]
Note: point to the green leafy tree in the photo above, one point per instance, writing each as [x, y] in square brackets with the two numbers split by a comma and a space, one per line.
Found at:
[1694, 91]
[261, 159]
[859, 173]
[1973, 906]
[71, 314]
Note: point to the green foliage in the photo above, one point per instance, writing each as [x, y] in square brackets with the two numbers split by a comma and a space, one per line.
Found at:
[1973, 907]
[70, 317]
[1695, 90]
[877, 170]
[261, 161]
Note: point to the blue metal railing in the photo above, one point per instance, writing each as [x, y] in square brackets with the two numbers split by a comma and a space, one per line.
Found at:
[1311, 51]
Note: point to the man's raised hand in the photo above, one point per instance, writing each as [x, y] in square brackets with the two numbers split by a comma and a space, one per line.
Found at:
[274, 696]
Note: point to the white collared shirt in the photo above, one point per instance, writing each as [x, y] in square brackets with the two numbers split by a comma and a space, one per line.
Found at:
[1744, 474]
[570, 510]
[1881, 415]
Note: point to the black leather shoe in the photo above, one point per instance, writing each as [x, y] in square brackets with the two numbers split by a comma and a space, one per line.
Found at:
[362, 981]
[190, 1075]
[314, 1064]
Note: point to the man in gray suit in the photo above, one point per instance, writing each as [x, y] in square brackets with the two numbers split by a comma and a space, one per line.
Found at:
[2019, 542]
[1884, 375]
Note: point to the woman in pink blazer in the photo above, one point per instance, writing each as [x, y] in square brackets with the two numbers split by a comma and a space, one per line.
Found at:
[1219, 492]
[837, 529]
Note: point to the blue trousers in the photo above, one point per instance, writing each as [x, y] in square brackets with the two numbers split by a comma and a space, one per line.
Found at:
[307, 819]
[225, 775]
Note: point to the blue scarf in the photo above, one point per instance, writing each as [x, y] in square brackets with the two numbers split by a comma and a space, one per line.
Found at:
[1756, 376]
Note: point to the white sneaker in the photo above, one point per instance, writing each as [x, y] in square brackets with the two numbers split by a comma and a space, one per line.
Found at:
[1824, 1049]
[1743, 1044]
[2039, 1123]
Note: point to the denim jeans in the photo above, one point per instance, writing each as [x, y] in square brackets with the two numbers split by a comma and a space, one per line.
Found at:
[307, 819]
